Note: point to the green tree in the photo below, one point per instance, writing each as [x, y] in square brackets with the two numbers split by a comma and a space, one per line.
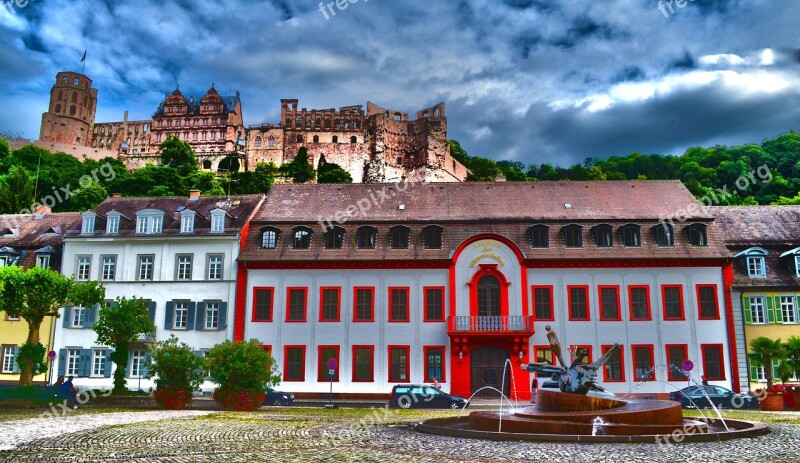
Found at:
[483, 170]
[37, 293]
[119, 325]
[175, 364]
[299, 169]
[4, 149]
[88, 198]
[333, 173]
[208, 183]
[242, 369]
[458, 153]
[16, 191]
[791, 350]
[178, 154]
[763, 351]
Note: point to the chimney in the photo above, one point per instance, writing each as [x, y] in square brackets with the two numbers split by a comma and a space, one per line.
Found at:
[194, 195]
[116, 195]
[42, 211]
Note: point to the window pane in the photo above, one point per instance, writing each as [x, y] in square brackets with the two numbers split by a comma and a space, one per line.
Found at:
[399, 307]
[330, 305]
[610, 307]
[325, 354]
[672, 303]
[613, 368]
[712, 362]
[264, 305]
[364, 305]
[434, 308]
[543, 301]
[434, 364]
[676, 355]
[639, 304]
[643, 366]
[708, 302]
[578, 304]
[297, 305]
[295, 364]
[363, 370]
[399, 364]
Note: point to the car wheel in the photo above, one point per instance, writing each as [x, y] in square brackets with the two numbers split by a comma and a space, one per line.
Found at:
[455, 405]
[281, 402]
[404, 404]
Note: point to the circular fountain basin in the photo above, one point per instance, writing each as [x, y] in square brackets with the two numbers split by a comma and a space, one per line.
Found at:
[560, 417]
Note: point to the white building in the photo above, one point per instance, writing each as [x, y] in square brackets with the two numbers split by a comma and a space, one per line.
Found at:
[178, 253]
[452, 282]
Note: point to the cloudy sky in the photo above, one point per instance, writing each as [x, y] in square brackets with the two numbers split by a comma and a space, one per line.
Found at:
[529, 80]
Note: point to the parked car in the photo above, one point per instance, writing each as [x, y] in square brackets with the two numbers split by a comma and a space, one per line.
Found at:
[424, 396]
[279, 398]
[694, 397]
[553, 386]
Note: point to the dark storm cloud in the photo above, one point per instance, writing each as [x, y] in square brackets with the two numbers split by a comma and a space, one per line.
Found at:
[530, 80]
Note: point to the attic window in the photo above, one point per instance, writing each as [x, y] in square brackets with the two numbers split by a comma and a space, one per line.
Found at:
[149, 222]
[696, 234]
[269, 238]
[664, 235]
[432, 237]
[367, 237]
[603, 236]
[538, 236]
[755, 261]
[217, 221]
[112, 224]
[88, 223]
[631, 236]
[302, 238]
[573, 236]
[187, 222]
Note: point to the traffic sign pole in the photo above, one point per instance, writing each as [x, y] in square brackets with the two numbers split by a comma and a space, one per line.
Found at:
[332, 364]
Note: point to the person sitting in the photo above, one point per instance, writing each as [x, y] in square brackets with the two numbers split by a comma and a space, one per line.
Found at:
[68, 390]
[436, 384]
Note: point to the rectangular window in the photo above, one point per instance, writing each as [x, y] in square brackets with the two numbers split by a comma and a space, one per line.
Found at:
[218, 223]
[99, 362]
[187, 224]
[215, 267]
[9, 359]
[78, 317]
[296, 304]
[294, 363]
[146, 268]
[788, 309]
[543, 303]
[3, 261]
[364, 304]
[109, 268]
[137, 364]
[434, 364]
[609, 303]
[212, 315]
[330, 303]
[141, 225]
[184, 271]
[88, 225]
[578, 303]
[713, 366]
[434, 304]
[181, 315]
[673, 302]
[399, 364]
[639, 299]
[43, 261]
[756, 267]
[797, 265]
[544, 354]
[84, 268]
[643, 363]
[326, 353]
[398, 305]
[73, 362]
[707, 300]
[757, 311]
[614, 369]
[262, 304]
[156, 224]
[112, 228]
[676, 355]
[363, 364]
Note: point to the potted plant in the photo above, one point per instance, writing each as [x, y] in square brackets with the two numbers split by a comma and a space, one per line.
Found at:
[791, 350]
[179, 373]
[244, 372]
[763, 351]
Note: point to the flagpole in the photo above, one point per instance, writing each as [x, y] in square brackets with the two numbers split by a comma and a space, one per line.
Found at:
[83, 60]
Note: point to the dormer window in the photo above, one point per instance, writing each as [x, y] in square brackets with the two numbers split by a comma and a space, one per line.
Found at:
[187, 221]
[88, 223]
[149, 222]
[755, 260]
[217, 221]
[663, 235]
[334, 238]
[631, 236]
[539, 236]
[603, 236]
[696, 234]
[112, 223]
[367, 237]
[432, 237]
[573, 236]
[398, 236]
[302, 238]
[269, 238]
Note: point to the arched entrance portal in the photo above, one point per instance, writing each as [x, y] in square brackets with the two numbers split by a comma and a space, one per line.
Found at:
[486, 369]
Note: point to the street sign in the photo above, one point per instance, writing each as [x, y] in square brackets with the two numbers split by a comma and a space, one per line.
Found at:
[332, 363]
[687, 365]
[331, 372]
[51, 355]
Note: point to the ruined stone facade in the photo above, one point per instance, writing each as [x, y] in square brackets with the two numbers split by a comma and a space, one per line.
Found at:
[380, 145]
[69, 119]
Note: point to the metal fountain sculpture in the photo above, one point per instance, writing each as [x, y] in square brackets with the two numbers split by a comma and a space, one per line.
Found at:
[578, 377]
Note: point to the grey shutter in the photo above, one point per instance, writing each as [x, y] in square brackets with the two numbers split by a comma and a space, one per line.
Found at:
[85, 364]
[190, 317]
[223, 316]
[151, 309]
[168, 315]
[146, 365]
[16, 359]
[67, 316]
[200, 319]
[109, 363]
[91, 316]
[62, 362]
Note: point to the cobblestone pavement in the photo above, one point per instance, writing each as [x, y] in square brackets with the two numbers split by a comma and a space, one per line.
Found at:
[312, 436]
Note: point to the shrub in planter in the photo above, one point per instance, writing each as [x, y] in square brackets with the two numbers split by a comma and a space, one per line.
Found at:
[179, 372]
[244, 372]
[771, 399]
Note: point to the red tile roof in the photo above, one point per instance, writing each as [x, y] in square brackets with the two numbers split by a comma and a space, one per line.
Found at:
[30, 234]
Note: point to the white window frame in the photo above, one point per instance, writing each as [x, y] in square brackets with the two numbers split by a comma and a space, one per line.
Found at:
[797, 264]
[84, 270]
[99, 369]
[187, 223]
[9, 359]
[761, 374]
[137, 359]
[141, 262]
[788, 309]
[211, 274]
[184, 270]
[181, 322]
[43, 261]
[78, 317]
[150, 222]
[112, 226]
[108, 262]
[88, 224]
[211, 316]
[156, 224]
[141, 225]
[3, 261]
[217, 222]
[73, 365]
[762, 313]
[756, 267]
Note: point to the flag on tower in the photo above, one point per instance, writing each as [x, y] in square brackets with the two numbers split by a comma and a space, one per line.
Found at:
[84, 56]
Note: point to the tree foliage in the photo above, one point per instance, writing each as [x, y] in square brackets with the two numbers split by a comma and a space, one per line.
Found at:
[791, 350]
[36, 293]
[178, 154]
[763, 351]
[333, 173]
[16, 191]
[119, 325]
[242, 366]
[175, 365]
[299, 169]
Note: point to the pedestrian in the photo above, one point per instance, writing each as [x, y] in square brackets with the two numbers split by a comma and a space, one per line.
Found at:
[704, 380]
[534, 389]
[68, 390]
[57, 386]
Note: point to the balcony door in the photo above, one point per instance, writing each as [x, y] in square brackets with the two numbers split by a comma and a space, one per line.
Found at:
[489, 296]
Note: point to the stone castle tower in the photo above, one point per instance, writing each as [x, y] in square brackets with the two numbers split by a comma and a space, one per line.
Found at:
[70, 117]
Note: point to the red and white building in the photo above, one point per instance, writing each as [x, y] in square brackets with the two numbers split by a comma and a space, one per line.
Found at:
[448, 281]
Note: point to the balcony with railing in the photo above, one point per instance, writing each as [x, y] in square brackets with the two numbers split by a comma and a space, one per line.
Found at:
[488, 325]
